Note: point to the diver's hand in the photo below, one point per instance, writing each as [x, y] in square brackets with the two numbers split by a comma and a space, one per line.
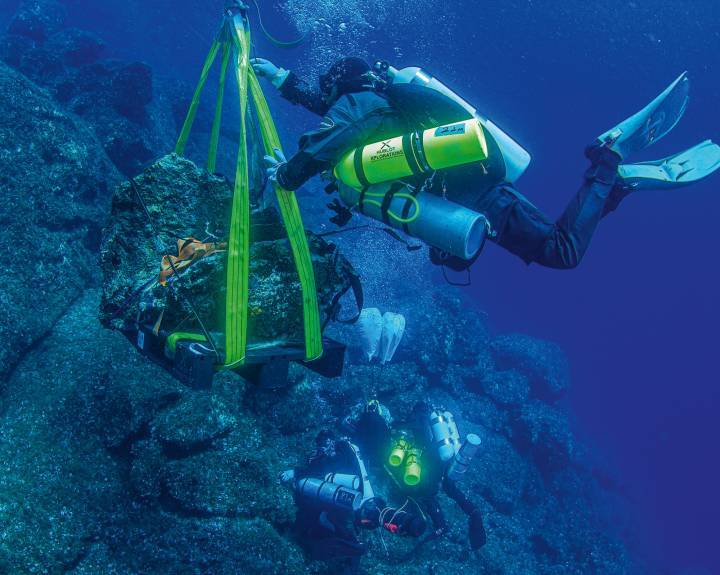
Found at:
[287, 477]
[274, 164]
[266, 69]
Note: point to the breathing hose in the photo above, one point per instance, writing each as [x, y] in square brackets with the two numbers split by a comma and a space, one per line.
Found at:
[275, 41]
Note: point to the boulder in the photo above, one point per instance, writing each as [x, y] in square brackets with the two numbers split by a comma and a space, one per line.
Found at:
[76, 47]
[38, 19]
[54, 183]
[542, 362]
[184, 201]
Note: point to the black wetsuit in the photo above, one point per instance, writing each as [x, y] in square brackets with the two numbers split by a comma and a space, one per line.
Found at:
[327, 535]
[521, 228]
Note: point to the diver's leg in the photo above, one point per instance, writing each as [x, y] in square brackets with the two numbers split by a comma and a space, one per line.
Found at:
[453, 492]
[525, 231]
[476, 527]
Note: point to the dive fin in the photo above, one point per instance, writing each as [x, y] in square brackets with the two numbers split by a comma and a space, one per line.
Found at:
[682, 169]
[651, 123]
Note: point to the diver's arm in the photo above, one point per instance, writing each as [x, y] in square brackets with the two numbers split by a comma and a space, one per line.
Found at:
[321, 149]
[291, 87]
[298, 170]
[297, 91]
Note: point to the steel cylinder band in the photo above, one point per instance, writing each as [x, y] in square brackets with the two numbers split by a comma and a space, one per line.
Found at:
[437, 419]
[409, 151]
[418, 150]
[359, 167]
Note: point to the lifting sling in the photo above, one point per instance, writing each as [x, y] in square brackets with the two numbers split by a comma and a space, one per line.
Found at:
[233, 40]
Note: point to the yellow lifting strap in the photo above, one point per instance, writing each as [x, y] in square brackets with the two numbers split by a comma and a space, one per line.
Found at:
[235, 36]
[294, 227]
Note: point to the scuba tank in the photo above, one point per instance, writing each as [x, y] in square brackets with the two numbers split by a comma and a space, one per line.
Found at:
[411, 154]
[329, 496]
[413, 470]
[345, 480]
[443, 434]
[405, 458]
[463, 458]
[397, 455]
[343, 492]
[516, 158]
[438, 222]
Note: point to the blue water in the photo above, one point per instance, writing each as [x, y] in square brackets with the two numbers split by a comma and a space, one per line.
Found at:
[639, 319]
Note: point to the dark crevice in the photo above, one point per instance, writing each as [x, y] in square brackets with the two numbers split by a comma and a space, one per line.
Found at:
[35, 345]
[171, 504]
[122, 453]
[73, 564]
[177, 451]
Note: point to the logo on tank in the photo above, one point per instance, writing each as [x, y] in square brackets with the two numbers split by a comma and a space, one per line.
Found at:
[386, 151]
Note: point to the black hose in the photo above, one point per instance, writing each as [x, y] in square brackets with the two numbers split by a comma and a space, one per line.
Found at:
[278, 43]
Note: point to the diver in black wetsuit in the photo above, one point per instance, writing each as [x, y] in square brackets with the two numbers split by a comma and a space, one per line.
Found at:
[335, 501]
[371, 426]
[356, 112]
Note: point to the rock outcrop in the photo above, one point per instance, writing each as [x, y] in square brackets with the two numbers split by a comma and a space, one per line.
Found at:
[183, 201]
[55, 183]
[108, 465]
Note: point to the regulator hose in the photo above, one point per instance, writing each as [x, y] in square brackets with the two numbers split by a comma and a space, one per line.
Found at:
[275, 41]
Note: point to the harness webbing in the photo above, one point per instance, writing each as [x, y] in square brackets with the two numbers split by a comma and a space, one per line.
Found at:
[235, 35]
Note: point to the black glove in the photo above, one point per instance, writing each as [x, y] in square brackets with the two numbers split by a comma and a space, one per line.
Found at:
[478, 538]
[343, 214]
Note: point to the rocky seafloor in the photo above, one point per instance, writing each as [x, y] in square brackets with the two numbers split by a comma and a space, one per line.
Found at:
[110, 466]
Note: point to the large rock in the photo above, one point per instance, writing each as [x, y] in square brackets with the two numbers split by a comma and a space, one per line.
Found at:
[38, 19]
[107, 465]
[54, 180]
[184, 201]
[542, 362]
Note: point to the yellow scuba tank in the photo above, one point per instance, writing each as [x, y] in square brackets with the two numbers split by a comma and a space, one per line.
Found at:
[416, 153]
[397, 455]
[413, 470]
[515, 158]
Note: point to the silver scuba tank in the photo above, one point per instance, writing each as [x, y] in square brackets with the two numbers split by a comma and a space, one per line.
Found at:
[463, 458]
[440, 223]
[345, 480]
[444, 435]
[328, 495]
[516, 158]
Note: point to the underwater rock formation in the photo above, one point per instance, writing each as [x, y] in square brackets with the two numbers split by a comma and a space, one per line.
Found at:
[108, 465]
[118, 468]
[135, 116]
[183, 202]
[54, 187]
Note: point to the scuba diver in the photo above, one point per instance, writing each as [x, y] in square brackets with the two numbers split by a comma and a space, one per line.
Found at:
[407, 151]
[421, 457]
[336, 500]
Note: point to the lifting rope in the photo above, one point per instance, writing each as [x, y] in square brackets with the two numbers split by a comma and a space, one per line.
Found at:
[234, 38]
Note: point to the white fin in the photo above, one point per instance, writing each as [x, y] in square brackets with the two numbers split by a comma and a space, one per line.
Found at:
[371, 327]
[393, 330]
